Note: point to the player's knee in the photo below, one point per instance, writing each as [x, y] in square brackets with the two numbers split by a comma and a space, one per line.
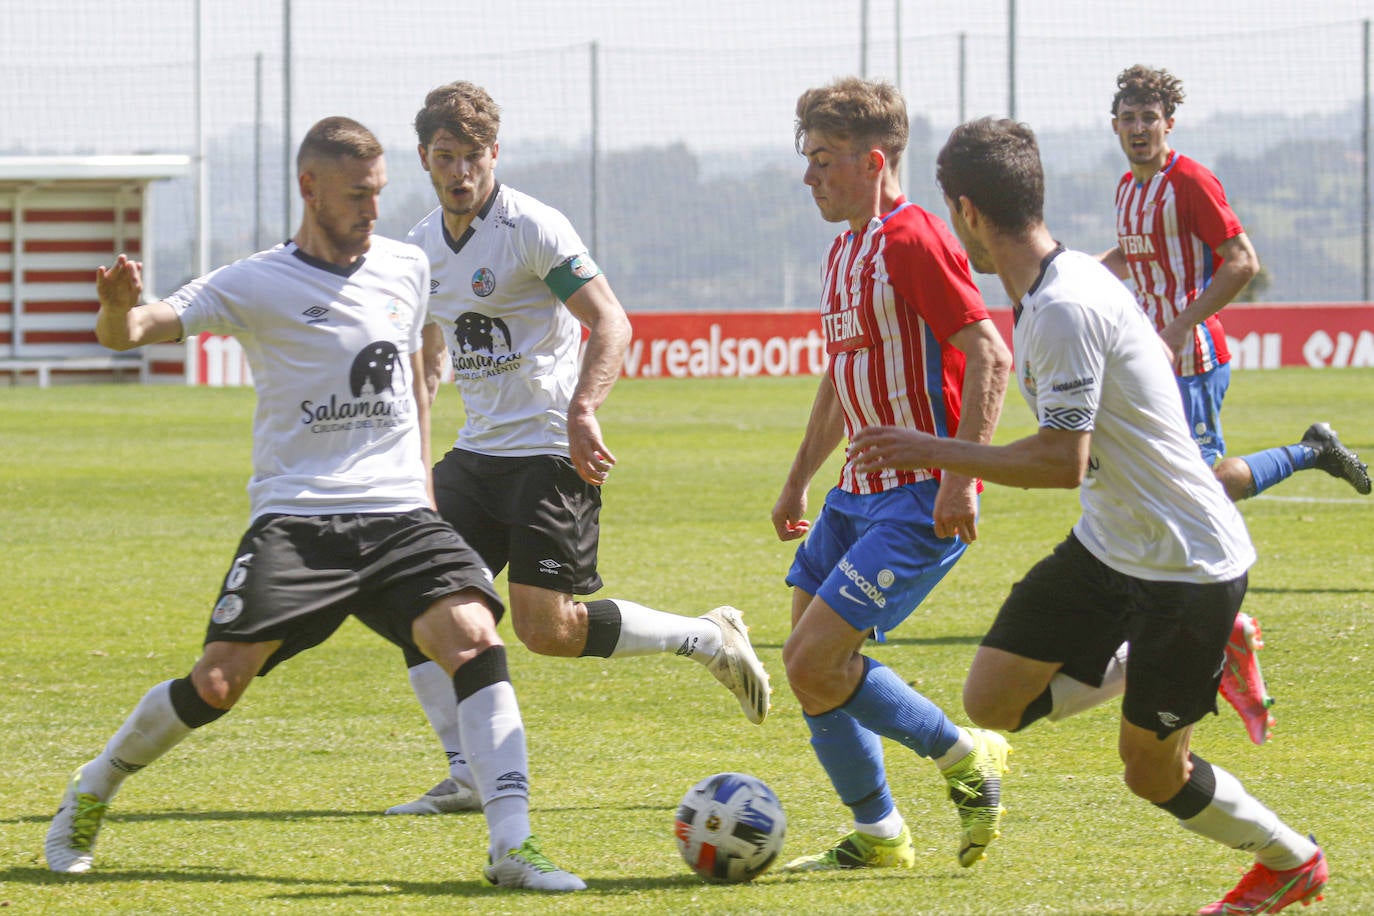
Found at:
[552, 634]
[190, 706]
[211, 691]
[1236, 478]
[1150, 778]
[814, 683]
[987, 710]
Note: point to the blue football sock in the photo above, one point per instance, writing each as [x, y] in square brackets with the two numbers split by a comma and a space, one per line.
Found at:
[888, 705]
[1274, 465]
[852, 756]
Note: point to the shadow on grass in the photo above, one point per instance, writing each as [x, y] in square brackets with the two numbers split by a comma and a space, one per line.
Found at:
[136, 817]
[320, 888]
[903, 641]
[1261, 590]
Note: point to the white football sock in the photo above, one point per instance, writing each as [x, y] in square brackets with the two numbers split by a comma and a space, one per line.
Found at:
[434, 689]
[1237, 819]
[494, 736]
[1070, 697]
[152, 729]
[645, 631]
[885, 829]
[961, 748]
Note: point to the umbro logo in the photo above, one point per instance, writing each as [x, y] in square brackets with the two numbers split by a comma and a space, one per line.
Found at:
[513, 779]
[549, 567]
[316, 314]
[433, 285]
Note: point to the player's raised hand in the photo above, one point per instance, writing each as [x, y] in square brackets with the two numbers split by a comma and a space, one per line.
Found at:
[120, 287]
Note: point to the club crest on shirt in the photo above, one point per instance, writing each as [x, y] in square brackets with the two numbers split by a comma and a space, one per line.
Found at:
[483, 282]
[583, 267]
[396, 314]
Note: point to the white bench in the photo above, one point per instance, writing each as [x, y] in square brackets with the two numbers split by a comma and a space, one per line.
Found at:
[45, 366]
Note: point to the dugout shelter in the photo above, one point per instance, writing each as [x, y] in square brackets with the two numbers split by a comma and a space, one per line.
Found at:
[61, 217]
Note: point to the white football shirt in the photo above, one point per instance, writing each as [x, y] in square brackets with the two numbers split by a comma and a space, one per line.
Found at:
[1087, 358]
[335, 428]
[514, 346]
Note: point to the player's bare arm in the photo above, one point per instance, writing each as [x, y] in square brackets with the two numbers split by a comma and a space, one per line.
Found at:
[1238, 267]
[1050, 459]
[122, 323]
[824, 431]
[1114, 259]
[596, 306]
[434, 354]
[423, 398]
[986, 367]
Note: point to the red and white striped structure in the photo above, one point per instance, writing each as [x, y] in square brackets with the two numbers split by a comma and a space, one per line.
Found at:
[60, 218]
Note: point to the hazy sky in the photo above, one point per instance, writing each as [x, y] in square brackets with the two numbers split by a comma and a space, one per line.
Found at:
[97, 72]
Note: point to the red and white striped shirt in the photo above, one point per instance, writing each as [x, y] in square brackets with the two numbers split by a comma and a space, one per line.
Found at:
[891, 297]
[1169, 229]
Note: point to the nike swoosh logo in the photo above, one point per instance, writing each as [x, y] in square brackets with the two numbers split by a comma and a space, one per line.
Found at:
[846, 593]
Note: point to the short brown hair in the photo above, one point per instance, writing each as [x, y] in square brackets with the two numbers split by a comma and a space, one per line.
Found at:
[1141, 85]
[862, 112]
[337, 137]
[463, 109]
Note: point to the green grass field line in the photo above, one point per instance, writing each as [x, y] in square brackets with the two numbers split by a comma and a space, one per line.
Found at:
[120, 507]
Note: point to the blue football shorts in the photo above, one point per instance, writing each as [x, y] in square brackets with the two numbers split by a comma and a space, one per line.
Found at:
[1202, 397]
[874, 557]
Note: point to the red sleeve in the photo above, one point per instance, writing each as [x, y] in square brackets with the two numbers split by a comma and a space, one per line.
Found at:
[930, 271]
[1202, 205]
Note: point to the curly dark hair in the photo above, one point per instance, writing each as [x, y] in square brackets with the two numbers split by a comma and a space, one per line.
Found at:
[1141, 85]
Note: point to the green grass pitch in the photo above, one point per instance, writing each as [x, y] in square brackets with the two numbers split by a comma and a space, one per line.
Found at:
[120, 507]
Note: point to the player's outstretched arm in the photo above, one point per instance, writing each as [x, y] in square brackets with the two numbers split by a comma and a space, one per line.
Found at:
[122, 323]
[1050, 459]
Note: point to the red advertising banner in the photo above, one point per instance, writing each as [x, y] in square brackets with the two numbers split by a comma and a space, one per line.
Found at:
[1323, 336]
[719, 344]
[724, 344]
[746, 344]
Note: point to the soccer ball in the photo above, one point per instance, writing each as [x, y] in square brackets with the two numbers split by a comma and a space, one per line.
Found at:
[730, 828]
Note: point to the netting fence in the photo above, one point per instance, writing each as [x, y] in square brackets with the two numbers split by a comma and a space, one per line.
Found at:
[676, 162]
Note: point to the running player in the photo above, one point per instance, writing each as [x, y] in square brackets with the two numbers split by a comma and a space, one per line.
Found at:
[1187, 257]
[342, 521]
[910, 343]
[512, 287]
[1158, 558]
